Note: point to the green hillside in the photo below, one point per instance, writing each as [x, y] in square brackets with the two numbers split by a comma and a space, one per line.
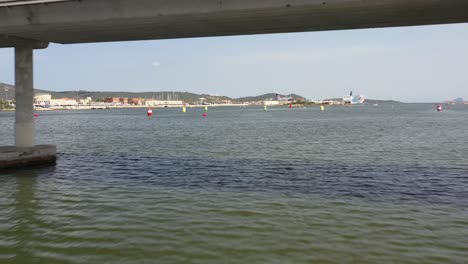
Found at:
[183, 96]
[7, 91]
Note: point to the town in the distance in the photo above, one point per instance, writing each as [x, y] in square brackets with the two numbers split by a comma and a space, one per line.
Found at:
[48, 100]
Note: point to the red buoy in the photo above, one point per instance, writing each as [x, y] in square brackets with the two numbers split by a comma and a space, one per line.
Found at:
[36, 115]
[290, 105]
[204, 114]
[150, 112]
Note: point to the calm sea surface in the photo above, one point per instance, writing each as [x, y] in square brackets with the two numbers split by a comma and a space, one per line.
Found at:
[361, 184]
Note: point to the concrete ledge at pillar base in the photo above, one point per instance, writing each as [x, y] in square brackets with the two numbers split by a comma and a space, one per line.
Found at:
[14, 157]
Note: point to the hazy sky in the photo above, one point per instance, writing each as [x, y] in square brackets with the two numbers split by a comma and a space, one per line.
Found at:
[412, 64]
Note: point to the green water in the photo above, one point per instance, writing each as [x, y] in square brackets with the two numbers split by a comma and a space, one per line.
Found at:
[357, 185]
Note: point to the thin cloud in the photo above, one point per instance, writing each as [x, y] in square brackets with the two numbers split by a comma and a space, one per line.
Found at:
[156, 64]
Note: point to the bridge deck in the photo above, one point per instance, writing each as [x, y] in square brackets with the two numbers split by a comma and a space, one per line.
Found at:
[84, 21]
[9, 3]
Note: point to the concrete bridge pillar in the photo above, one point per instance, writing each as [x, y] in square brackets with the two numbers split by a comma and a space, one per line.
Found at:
[25, 153]
[24, 97]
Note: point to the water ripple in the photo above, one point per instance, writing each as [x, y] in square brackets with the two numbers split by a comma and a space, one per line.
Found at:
[244, 186]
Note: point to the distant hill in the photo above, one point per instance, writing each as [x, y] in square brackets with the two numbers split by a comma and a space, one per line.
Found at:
[97, 96]
[183, 96]
[8, 91]
[375, 101]
[264, 97]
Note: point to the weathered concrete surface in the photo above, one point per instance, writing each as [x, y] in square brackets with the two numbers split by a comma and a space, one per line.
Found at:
[14, 157]
[83, 21]
[25, 132]
[20, 42]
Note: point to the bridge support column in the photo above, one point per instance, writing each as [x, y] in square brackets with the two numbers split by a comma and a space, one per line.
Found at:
[24, 96]
[25, 153]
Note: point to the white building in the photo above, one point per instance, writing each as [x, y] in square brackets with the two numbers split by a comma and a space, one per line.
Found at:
[63, 102]
[270, 103]
[86, 101]
[157, 103]
[42, 99]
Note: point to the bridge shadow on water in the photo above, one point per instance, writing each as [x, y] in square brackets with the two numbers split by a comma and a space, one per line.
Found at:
[301, 177]
[94, 208]
[20, 187]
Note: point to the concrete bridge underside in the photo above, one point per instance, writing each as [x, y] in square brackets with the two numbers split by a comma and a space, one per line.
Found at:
[84, 21]
[32, 24]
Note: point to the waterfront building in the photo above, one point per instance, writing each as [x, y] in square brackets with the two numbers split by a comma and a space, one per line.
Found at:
[116, 100]
[270, 102]
[86, 101]
[202, 101]
[156, 103]
[137, 101]
[151, 102]
[63, 102]
[113, 100]
[42, 99]
[330, 102]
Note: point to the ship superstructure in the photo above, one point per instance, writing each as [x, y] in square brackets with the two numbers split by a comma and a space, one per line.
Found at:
[359, 99]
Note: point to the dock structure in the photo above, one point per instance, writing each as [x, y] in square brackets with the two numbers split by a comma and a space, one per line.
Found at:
[32, 24]
[17, 157]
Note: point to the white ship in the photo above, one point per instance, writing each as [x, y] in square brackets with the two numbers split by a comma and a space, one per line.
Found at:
[359, 99]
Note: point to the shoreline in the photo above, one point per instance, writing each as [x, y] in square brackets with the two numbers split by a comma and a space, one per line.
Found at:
[104, 107]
